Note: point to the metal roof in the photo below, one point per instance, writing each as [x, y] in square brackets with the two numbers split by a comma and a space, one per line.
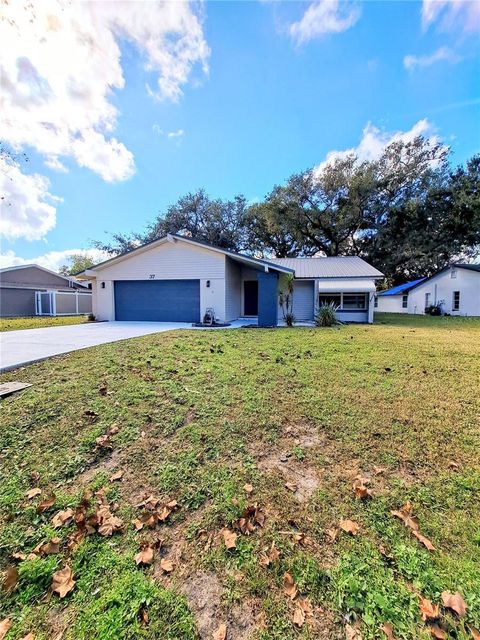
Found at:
[401, 288]
[471, 267]
[331, 267]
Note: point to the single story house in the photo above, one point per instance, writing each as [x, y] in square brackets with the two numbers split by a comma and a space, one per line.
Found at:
[176, 279]
[395, 300]
[455, 289]
[29, 290]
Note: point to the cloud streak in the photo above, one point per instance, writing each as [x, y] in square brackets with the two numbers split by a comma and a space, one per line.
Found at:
[324, 17]
[442, 54]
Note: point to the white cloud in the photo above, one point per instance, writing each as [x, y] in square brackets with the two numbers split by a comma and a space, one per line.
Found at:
[61, 61]
[28, 208]
[323, 17]
[176, 134]
[52, 260]
[168, 134]
[442, 54]
[374, 141]
[451, 15]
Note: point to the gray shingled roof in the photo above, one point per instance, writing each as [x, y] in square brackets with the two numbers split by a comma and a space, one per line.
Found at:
[334, 267]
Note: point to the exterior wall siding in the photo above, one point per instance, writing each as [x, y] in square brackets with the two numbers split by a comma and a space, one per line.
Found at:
[441, 288]
[303, 301]
[169, 261]
[391, 304]
[233, 290]
[17, 302]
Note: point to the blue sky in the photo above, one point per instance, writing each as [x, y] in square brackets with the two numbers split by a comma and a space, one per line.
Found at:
[287, 83]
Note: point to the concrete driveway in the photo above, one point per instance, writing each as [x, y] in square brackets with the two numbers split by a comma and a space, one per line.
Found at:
[18, 348]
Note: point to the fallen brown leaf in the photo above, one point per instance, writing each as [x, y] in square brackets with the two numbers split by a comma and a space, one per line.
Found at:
[5, 625]
[118, 475]
[31, 493]
[248, 488]
[428, 610]
[475, 632]
[11, 579]
[63, 518]
[351, 633]
[387, 629]
[378, 470]
[425, 541]
[46, 503]
[221, 632]
[166, 565]
[229, 538]
[437, 632]
[62, 581]
[405, 514]
[29, 636]
[298, 617]
[349, 526]
[332, 533]
[272, 556]
[145, 555]
[291, 486]
[289, 586]
[455, 602]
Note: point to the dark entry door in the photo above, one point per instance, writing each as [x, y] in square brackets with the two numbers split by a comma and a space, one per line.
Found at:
[157, 300]
[250, 297]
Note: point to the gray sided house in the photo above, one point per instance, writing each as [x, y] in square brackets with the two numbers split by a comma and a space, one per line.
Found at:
[176, 279]
[29, 290]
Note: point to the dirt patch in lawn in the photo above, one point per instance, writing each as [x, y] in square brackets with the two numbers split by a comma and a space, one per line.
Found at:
[204, 592]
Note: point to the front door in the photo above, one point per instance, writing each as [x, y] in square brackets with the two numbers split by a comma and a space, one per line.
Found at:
[250, 298]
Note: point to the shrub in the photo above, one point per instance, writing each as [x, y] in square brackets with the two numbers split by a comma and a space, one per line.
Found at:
[289, 319]
[433, 310]
[327, 315]
[91, 317]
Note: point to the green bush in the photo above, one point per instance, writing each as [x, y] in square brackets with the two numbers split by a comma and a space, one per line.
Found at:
[327, 315]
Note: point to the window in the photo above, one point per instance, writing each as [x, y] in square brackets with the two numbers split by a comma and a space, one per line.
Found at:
[375, 302]
[355, 301]
[405, 300]
[427, 300]
[327, 298]
[456, 301]
[453, 273]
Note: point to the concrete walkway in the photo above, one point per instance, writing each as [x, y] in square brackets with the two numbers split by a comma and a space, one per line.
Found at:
[19, 348]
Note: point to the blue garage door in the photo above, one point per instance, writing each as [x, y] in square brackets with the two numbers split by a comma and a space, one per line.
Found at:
[157, 300]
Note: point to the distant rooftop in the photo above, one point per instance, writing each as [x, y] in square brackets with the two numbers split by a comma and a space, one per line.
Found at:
[401, 288]
[332, 267]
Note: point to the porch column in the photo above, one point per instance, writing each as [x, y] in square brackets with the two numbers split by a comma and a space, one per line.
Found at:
[267, 299]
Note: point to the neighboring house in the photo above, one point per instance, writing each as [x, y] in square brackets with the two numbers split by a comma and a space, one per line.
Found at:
[395, 300]
[176, 279]
[22, 287]
[456, 289]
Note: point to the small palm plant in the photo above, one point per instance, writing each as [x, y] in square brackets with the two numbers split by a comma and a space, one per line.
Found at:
[327, 315]
[285, 299]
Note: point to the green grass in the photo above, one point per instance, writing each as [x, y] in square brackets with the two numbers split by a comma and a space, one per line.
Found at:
[199, 413]
[14, 324]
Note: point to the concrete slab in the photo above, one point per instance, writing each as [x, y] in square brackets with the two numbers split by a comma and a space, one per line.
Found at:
[19, 348]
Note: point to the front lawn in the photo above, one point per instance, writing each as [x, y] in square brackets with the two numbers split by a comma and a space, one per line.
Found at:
[259, 436]
[13, 324]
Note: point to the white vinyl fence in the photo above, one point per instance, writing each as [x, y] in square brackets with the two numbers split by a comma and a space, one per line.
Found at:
[62, 303]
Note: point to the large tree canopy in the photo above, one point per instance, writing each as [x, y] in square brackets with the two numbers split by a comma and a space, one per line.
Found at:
[217, 222]
[406, 212]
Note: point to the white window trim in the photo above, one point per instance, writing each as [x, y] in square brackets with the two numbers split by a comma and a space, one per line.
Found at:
[347, 293]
